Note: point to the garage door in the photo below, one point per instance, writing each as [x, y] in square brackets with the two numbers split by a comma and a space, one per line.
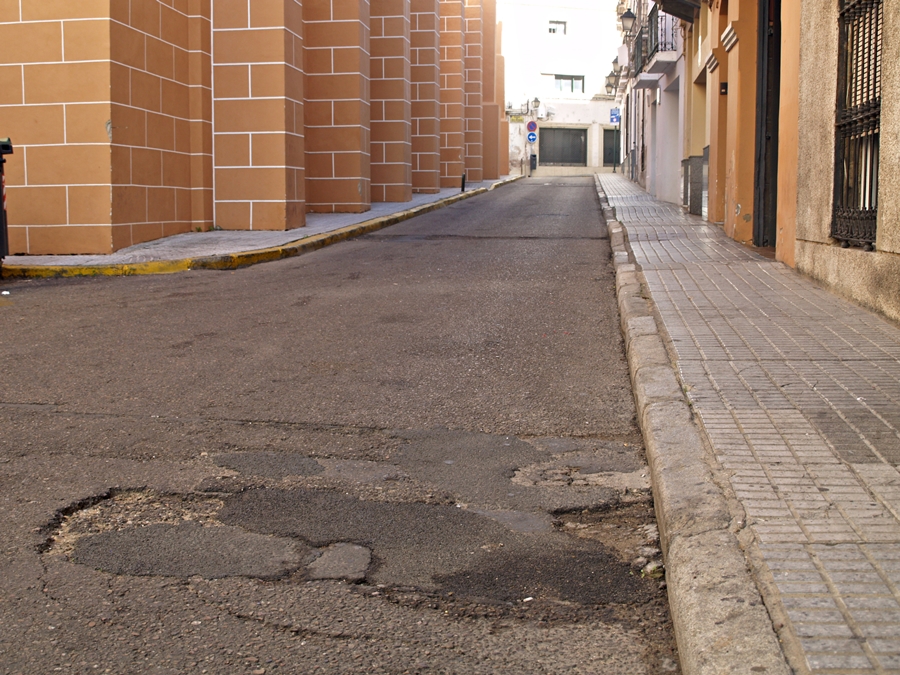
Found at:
[563, 147]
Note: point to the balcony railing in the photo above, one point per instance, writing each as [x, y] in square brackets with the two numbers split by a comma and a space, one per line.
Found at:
[638, 53]
[663, 32]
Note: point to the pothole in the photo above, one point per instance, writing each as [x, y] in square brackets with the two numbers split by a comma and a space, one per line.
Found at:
[145, 533]
[630, 530]
[583, 469]
[130, 509]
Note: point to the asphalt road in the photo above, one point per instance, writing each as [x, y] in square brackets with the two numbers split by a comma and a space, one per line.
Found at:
[412, 452]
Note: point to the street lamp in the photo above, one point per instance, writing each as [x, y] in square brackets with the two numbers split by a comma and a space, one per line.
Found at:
[628, 19]
[536, 103]
[611, 82]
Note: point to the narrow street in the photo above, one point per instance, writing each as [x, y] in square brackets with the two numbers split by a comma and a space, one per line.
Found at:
[411, 452]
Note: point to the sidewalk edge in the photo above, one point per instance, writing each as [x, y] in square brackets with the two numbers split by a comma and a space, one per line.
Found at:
[721, 623]
[230, 261]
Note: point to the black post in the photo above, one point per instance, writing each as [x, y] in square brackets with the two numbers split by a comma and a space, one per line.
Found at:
[463, 183]
[616, 146]
[6, 148]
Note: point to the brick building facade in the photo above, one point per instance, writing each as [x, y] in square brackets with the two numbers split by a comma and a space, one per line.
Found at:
[138, 119]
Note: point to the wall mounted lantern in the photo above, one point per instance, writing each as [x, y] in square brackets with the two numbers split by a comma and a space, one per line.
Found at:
[611, 82]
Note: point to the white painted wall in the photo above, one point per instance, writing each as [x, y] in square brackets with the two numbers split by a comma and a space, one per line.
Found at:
[534, 55]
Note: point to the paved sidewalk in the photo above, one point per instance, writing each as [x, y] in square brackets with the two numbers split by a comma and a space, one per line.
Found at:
[222, 249]
[798, 394]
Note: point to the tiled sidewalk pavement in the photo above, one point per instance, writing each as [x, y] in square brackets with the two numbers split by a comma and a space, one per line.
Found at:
[798, 392]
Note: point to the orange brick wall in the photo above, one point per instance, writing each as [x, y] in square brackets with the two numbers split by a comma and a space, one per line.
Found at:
[472, 91]
[426, 96]
[391, 105]
[150, 54]
[489, 49]
[54, 104]
[137, 119]
[500, 98]
[258, 114]
[494, 107]
[452, 95]
[338, 161]
[200, 103]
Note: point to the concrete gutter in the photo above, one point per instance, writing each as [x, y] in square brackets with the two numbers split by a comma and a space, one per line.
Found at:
[721, 624]
[232, 261]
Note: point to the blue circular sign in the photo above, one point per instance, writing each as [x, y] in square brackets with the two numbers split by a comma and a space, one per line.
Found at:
[532, 126]
[532, 137]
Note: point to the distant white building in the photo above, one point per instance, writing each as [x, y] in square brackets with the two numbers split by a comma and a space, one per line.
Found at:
[558, 55]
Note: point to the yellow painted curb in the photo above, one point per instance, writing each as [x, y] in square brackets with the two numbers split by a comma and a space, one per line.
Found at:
[230, 261]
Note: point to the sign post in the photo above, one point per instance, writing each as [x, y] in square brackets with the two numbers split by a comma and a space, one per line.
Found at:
[531, 137]
[615, 118]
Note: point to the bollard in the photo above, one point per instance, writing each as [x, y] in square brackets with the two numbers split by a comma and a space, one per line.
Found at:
[463, 183]
[6, 148]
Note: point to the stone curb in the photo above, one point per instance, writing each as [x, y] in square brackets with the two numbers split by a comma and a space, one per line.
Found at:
[721, 624]
[231, 261]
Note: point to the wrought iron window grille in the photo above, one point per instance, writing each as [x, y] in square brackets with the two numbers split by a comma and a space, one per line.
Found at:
[858, 124]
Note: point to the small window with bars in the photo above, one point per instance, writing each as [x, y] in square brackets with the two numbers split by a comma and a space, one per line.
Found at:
[858, 123]
[558, 27]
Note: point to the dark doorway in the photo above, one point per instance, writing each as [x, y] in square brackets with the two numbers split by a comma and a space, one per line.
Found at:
[767, 102]
[563, 147]
[611, 147]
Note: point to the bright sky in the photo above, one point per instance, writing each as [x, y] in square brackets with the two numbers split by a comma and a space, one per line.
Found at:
[588, 48]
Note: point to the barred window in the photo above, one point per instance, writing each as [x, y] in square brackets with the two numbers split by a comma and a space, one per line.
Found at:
[558, 27]
[858, 123]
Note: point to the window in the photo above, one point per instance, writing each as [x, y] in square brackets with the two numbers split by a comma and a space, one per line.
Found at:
[858, 123]
[558, 27]
[570, 83]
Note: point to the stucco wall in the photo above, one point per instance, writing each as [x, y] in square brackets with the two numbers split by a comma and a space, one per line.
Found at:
[817, 106]
[889, 179]
[870, 278]
[788, 130]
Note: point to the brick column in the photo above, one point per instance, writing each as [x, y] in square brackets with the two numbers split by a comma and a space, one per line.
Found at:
[473, 91]
[425, 72]
[337, 114]
[391, 109]
[493, 108]
[452, 94]
[258, 115]
[500, 96]
[200, 101]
